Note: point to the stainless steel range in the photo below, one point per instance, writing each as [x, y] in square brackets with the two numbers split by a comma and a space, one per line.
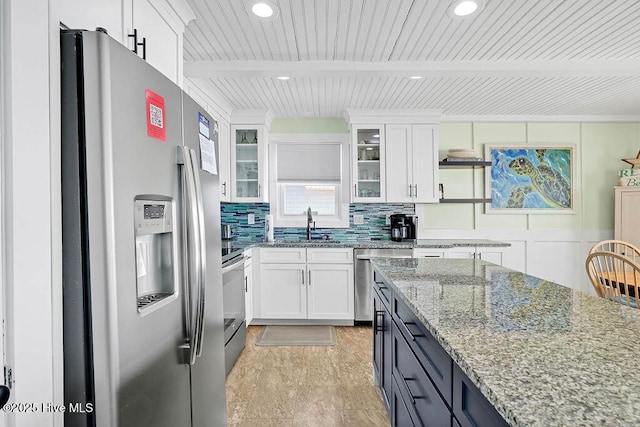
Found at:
[233, 290]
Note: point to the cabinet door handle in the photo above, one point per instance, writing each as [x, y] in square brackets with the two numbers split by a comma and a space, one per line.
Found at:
[259, 190]
[479, 255]
[410, 190]
[302, 272]
[416, 190]
[309, 277]
[245, 284]
[378, 326]
[224, 188]
[355, 190]
[136, 44]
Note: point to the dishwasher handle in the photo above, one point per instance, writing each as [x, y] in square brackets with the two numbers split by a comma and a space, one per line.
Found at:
[234, 264]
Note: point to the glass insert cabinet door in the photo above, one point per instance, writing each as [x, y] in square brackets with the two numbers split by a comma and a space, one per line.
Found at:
[368, 172]
[247, 183]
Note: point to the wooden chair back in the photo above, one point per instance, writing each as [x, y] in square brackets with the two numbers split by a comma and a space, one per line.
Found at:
[618, 246]
[615, 277]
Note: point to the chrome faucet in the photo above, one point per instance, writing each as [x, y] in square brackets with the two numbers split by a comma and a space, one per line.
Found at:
[309, 222]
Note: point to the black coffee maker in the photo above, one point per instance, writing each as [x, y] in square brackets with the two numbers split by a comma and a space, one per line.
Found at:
[404, 228]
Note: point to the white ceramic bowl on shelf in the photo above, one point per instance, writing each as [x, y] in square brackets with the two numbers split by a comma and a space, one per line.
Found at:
[461, 153]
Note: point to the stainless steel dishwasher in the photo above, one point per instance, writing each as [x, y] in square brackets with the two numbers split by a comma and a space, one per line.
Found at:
[364, 276]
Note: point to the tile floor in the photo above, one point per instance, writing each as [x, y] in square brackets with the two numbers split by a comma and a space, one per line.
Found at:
[306, 385]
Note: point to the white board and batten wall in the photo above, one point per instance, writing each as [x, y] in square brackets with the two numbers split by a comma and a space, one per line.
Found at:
[549, 246]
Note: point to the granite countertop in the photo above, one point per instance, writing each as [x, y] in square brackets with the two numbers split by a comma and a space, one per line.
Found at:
[374, 244]
[541, 353]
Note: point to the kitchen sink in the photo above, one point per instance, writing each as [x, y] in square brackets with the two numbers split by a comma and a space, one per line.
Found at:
[319, 239]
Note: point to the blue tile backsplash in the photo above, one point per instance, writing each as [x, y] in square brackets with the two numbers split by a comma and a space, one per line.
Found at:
[374, 227]
[235, 214]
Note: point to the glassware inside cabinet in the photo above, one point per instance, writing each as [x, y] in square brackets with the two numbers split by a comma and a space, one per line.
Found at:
[246, 166]
[368, 159]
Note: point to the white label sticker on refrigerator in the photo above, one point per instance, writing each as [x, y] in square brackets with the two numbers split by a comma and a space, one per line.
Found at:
[203, 125]
[208, 155]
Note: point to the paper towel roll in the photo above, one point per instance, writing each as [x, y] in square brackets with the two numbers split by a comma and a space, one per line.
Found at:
[268, 227]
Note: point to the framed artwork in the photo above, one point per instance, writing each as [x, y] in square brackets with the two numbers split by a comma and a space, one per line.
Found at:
[530, 178]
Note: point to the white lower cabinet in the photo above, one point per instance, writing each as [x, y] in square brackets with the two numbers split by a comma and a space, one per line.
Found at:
[429, 253]
[320, 289]
[248, 286]
[283, 291]
[330, 291]
[492, 254]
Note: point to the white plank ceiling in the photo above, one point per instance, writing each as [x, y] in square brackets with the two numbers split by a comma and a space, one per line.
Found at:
[517, 57]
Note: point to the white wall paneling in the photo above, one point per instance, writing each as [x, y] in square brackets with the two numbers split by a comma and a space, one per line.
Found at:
[33, 239]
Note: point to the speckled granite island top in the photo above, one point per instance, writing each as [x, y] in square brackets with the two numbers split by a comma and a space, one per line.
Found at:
[541, 353]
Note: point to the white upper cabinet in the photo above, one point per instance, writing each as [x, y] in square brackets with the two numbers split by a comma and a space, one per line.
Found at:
[223, 162]
[248, 149]
[412, 155]
[158, 27]
[394, 156]
[400, 180]
[368, 165]
[425, 164]
[248, 164]
[412, 163]
[90, 15]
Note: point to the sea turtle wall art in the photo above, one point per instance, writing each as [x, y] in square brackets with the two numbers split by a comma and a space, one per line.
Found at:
[531, 179]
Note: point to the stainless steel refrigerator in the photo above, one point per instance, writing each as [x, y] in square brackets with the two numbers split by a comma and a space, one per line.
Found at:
[142, 290]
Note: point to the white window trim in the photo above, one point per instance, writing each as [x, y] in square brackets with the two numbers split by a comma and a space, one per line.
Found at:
[342, 221]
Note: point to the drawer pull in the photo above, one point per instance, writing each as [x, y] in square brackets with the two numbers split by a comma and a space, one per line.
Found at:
[413, 398]
[406, 328]
[380, 285]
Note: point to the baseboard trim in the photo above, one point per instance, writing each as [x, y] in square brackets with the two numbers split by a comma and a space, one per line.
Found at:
[266, 322]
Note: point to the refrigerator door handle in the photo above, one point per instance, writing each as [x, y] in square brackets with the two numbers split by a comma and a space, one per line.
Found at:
[202, 249]
[192, 261]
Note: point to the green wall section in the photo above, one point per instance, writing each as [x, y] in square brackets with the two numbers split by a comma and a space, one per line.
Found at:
[330, 125]
[599, 148]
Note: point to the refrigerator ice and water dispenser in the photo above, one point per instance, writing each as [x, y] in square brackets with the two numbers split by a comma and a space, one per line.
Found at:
[154, 250]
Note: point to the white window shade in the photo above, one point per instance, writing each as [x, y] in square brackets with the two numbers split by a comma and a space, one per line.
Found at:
[309, 162]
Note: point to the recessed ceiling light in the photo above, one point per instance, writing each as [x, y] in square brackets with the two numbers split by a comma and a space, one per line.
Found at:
[264, 9]
[465, 8]
[283, 78]
[416, 77]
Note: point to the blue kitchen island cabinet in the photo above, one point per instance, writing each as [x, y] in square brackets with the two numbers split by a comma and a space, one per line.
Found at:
[477, 344]
[382, 340]
[426, 387]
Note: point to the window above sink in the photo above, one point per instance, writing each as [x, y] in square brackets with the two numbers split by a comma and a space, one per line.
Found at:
[309, 170]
